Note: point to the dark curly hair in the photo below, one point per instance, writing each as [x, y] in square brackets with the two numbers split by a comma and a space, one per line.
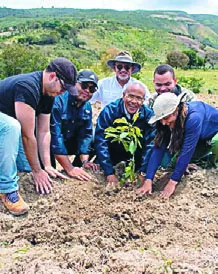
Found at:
[173, 139]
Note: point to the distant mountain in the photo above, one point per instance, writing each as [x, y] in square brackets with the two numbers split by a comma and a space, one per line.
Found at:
[203, 28]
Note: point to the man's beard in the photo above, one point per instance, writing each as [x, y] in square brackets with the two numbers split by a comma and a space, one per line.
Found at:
[123, 78]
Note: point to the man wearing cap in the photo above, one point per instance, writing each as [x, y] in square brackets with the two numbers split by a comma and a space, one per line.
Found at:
[71, 126]
[166, 81]
[111, 88]
[110, 153]
[188, 131]
[25, 105]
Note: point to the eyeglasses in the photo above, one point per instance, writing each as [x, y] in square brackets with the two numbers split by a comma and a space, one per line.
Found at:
[137, 98]
[71, 88]
[126, 67]
[90, 87]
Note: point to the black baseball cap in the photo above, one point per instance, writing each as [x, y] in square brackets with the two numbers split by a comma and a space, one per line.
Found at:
[65, 70]
[87, 75]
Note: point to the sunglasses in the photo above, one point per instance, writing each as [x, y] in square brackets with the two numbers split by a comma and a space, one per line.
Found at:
[126, 67]
[90, 87]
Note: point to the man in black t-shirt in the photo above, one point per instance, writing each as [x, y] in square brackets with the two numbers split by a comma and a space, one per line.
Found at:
[25, 105]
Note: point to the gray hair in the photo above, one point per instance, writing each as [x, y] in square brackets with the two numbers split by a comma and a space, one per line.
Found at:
[135, 83]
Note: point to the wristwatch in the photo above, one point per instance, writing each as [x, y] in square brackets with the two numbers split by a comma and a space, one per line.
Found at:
[142, 173]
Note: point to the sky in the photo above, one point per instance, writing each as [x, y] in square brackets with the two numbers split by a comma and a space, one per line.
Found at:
[189, 6]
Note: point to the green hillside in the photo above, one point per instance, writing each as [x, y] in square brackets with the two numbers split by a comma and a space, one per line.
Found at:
[171, 21]
[30, 38]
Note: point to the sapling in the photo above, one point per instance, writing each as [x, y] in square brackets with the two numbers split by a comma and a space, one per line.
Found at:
[128, 135]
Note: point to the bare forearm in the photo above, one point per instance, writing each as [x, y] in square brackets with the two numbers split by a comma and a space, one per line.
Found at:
[64, 161]
[44, 140]
[31, 151]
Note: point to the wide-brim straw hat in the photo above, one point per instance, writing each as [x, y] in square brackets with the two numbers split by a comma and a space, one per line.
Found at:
[164, 105]
[125, 59]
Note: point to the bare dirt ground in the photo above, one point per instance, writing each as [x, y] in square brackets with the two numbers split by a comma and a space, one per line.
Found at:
[82, 228]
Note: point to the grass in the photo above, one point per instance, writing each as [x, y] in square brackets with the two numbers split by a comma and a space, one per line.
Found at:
[210, 78]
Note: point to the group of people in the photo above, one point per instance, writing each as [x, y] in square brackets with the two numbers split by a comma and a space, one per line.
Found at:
[46, 116]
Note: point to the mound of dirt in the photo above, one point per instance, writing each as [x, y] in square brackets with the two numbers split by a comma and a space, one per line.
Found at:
[82, 228]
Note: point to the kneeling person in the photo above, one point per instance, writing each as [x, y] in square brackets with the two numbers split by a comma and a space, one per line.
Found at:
[110, 153]
[71, 126]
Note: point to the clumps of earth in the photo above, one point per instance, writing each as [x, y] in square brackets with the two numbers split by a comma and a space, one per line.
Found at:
[82, 228]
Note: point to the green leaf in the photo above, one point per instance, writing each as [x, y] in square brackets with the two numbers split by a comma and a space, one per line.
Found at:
[123, 135]
[138, 132]
[139, 143]
[132, 147]
[121, 121]
[128, 168]
[110, 129]
[122, 128]
[23, 249]
[110, 135]
[135, 116]
[126, 146]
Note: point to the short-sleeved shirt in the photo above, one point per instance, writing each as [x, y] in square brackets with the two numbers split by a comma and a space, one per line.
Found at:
[25, 88]
[110, 90]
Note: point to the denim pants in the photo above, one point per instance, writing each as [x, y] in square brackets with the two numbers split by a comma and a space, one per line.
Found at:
[12, 156]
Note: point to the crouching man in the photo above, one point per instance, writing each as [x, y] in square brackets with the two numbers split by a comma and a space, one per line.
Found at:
[71, 127]
[110, 153]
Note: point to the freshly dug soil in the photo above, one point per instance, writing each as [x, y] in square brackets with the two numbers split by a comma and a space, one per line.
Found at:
[82, 228]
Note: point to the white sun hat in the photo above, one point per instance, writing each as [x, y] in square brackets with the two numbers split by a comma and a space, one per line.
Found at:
[124, 57]
[164, 105]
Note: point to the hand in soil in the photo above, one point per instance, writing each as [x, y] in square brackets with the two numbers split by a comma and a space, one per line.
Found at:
[42, 181]
[92, 166]
[113, 182]
[145, 188]
[54, 173]
[169, 189]
[79, 173]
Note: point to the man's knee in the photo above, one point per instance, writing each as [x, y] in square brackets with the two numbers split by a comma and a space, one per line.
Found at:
[13, 127]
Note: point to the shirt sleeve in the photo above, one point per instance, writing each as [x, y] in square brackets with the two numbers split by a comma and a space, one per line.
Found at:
[101, 143]
[24, 93]
[57, 138]
[155, 160]
[192, 133]
[85, 134]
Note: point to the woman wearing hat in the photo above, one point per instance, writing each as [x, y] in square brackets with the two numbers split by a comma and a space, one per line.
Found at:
[182, 128]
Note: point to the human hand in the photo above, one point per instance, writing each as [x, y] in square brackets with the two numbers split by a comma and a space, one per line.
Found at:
[169, 189]
[112, 181]
[145, 188]
[42, 181]
[90, 165]
[79, 173]
[54, 173]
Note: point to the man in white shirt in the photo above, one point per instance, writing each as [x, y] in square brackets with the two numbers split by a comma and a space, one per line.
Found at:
[111, 88]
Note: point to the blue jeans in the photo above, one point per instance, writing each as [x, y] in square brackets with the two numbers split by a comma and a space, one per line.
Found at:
[12, 156]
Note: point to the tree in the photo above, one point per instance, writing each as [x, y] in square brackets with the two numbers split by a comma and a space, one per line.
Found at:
[139, 56]
[177, 59]
[106, 55]
[128, 135]
[193, 57]
[16, 59]
[211, 58]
